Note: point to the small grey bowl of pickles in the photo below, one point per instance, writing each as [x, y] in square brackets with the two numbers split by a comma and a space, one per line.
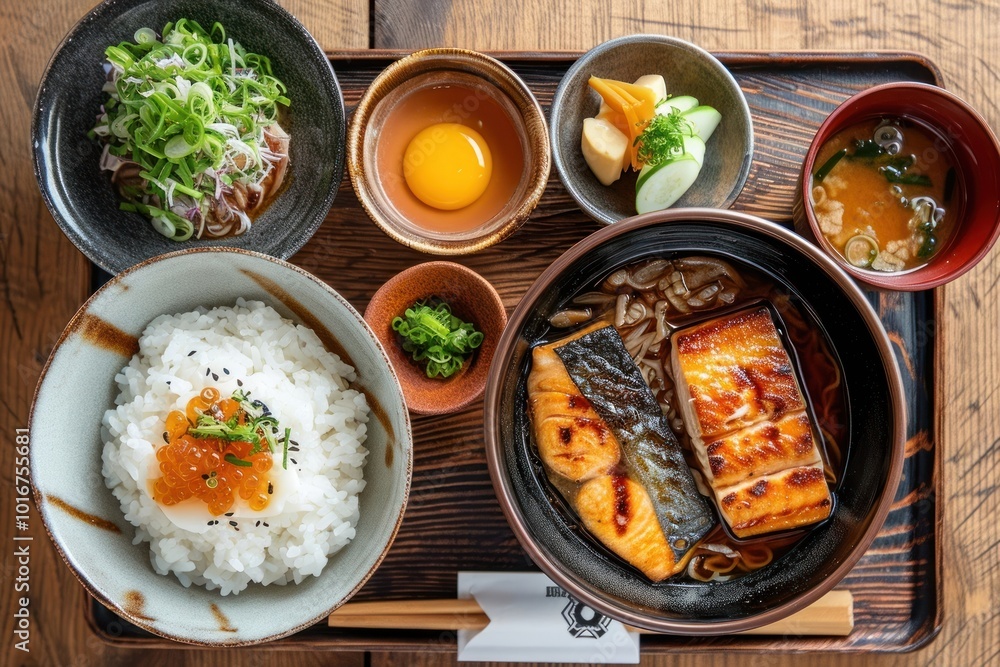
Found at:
[697, 148]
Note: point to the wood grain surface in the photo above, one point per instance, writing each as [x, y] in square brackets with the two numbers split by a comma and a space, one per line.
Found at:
[44, 279]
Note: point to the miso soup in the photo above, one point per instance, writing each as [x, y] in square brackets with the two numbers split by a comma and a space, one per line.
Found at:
[886, 194]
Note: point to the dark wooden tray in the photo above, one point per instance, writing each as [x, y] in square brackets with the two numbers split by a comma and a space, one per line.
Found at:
[453, 521]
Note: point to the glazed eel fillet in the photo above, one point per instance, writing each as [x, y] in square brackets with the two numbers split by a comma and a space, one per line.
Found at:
[597, 425]
[749, 427]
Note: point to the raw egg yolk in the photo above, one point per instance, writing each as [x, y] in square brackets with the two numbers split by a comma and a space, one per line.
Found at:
[447, 166]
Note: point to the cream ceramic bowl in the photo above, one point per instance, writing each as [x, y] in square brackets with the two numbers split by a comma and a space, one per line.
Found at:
[84, 519]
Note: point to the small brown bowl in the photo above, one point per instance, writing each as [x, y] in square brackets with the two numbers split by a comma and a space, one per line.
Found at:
[436, 68]
[472, 299]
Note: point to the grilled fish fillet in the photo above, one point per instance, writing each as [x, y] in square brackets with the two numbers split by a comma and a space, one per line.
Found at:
[762, 449]
[788, 499]
[749, 426]
[619, 513]
[573, 441]
[731, 373]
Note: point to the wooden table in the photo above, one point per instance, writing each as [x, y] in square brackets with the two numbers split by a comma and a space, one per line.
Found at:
[44, 278]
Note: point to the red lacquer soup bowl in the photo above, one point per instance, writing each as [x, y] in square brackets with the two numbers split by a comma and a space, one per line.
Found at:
[959, 131]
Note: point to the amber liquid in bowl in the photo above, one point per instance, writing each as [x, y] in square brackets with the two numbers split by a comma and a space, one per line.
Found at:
[450, 102]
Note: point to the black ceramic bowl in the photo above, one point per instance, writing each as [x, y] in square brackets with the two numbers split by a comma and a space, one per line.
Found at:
[81, 197]
[876, 426]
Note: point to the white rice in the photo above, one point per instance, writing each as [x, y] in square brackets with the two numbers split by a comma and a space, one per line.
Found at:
[305, 387]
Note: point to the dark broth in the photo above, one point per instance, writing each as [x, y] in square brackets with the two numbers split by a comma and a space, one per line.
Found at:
[719, 555]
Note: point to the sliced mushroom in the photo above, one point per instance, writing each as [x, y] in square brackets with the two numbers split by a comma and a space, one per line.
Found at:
[594, 299]
[636, 312]
[677, 302]
[648, 275]
[728, 295]
[127, 175]
[659, 315]
[620, 309]
[570, 317]
[617, 279]
[710, 291]
[700, 271]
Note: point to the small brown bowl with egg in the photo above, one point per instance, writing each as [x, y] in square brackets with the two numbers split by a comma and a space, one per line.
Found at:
[901, 187]
[448, 151]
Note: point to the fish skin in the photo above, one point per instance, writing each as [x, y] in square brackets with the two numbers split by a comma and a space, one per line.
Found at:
[606, 375]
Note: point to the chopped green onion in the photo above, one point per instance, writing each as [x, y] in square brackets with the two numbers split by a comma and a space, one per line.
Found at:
[861, 250]
[231, 458]
[437, 338]
[284, 462]
[183, 104]
[259, 428]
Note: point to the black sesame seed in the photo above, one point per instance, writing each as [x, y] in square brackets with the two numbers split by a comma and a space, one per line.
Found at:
[256, 524]
[209, 523]
[204, 476]
[239, 383]
[215, 377]
[230, 513]
[232, 523]
[208, 371]
[294, 461]
[191, 353]
[168, 383]
[166, 437]
[226, 371]
[270, 488]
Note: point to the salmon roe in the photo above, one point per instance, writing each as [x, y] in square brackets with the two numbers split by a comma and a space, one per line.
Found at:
[196, 467]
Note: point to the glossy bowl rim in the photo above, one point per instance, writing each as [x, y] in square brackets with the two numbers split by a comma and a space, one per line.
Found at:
[907, 281]
[78, 240]
[357, 128]
[641, 38]
[134, 616]
[494, 446]
[484, 288]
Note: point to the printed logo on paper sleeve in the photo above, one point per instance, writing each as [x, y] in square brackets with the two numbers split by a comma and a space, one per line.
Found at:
[581, 620]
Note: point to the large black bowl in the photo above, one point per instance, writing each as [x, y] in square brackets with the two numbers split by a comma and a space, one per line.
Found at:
[82, 199]
[876, 418]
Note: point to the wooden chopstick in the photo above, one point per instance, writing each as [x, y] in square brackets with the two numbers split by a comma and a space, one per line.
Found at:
[831, 615]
